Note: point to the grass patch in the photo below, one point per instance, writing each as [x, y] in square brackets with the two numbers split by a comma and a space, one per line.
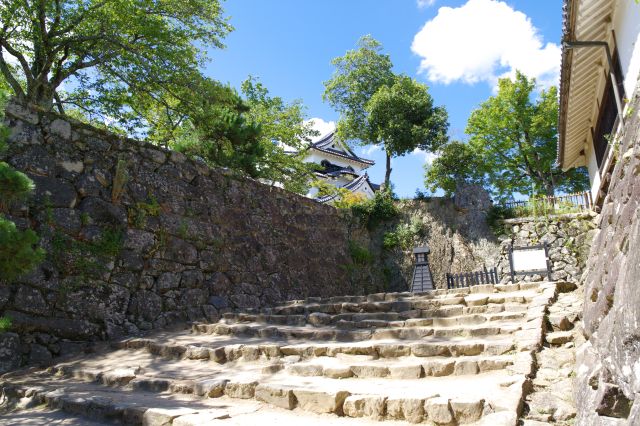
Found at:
[359, 254]
[86, 259]
[5, 324]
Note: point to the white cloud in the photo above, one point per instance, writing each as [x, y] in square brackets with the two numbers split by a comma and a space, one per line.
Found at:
[484, 40]
[324, 127]
[427, 156]
[370, 150]
[426, 3]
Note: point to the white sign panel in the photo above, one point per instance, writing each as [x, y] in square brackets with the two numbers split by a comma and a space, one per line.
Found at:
[529, 260]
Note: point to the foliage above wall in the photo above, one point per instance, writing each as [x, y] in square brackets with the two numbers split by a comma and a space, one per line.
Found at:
[109, 55]
[376, 210]
[512, 146]
[378, 107]
[136, 69]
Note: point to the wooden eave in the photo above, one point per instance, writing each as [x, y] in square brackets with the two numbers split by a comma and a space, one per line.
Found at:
[583, 76]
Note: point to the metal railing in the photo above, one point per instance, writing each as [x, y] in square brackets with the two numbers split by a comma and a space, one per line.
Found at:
[580, 200]
[468, 279]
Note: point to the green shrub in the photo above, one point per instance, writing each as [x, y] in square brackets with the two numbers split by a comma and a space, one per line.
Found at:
[359, 254]
[5, 324]
[347, 199]
[404, 235]
[18, 251]
[138, 215]
[86, 259]
[151, 207]
[496, 214]
[15, 186]
[376, 210]
[537, 207]
[422, 196]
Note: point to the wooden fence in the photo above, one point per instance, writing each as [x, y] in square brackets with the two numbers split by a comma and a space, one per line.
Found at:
[468, 279]
[581, 200]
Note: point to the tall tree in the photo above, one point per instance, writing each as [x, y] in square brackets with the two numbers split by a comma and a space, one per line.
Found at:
[357, 77]
[456, 163]
[402, 118]
[256, 133]
[216, 128]
[102, 51]
[377, 106]
[515, 133]
[284, 136]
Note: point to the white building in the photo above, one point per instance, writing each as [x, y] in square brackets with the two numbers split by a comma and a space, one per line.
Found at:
[601, 45]
[341, 167]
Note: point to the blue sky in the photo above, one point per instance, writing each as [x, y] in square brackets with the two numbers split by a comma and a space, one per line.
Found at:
[458, 48]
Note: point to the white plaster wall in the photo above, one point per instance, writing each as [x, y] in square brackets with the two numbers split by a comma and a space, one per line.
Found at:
[366, 190]
[316, 157]
[594, 172]
[626, 24]
[313, 191]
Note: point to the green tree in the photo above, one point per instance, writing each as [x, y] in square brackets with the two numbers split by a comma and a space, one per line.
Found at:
[214, 126]
[257, 134]
[284, 136]
[106, 52]
[402, 117]
[357, 77]
[514, 134]
[456, 163]
[202, 101]
[377, 106]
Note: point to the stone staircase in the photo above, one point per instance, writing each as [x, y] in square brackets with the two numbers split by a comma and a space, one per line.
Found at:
[442, 357]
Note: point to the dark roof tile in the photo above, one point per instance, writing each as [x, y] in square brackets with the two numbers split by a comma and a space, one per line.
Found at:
[324, 145]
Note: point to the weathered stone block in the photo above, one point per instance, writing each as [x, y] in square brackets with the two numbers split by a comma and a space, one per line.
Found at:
[164, 416]
[53, 192]
[212, 388]
[280, 397]
[439, 411]
[61, 128]
[466, 410]
[321, 402]
[9, 352]
[30, 300]
[365, 406]
[241, 390]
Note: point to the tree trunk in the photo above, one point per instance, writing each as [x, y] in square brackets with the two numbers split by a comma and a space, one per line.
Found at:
[387, 174]
[549, 187]
[549, 190]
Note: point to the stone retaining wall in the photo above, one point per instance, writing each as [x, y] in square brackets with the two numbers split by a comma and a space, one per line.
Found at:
[569, 237]
[138, 237]
[608, 381]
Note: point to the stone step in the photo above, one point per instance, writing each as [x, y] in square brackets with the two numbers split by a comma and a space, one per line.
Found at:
[393, 358]
[218, 352]
[41, 415]
[124, 406]
[140, 369]
[404, 306]
[432, 294]
[462, 400]
[478, 314]
[345, 332]
[340, 367]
